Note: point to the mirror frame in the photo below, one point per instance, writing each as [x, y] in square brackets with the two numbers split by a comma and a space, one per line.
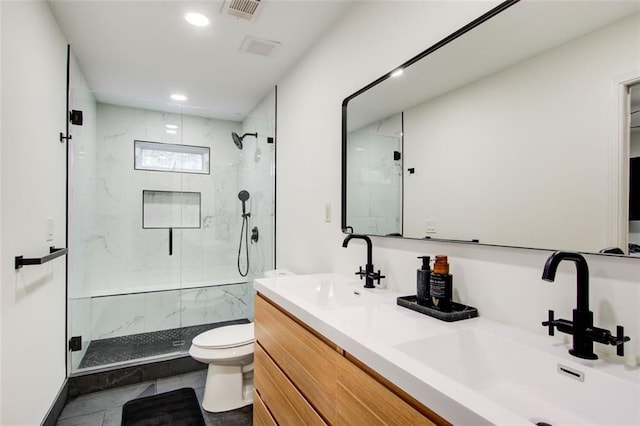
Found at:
[344, 135]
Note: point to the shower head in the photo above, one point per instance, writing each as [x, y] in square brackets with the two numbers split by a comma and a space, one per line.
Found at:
[243, 196]
[238, 139]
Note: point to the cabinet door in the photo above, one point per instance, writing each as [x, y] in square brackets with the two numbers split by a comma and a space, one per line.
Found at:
[306, 360]
[286, 404]
[261, 416]
[363, 400]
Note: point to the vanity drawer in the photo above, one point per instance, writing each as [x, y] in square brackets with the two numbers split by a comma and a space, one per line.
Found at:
[286, 404]
[261, 416]
[306, 360]
[361, 399]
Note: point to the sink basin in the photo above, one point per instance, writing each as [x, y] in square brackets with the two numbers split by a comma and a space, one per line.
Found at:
[539, 386]
[327, 291]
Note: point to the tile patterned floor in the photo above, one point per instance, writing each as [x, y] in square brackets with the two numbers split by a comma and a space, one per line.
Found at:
[143, 345]
[104, 408]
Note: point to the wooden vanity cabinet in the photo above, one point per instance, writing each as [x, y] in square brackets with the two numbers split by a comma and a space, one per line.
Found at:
[285, 402]
[302, 378]
[362, 399]
[261, 415]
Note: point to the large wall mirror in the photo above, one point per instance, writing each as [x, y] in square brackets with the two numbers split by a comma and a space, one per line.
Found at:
[518, 130]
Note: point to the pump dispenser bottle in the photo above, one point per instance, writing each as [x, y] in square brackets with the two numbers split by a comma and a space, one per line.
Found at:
[440, 285]
[422, 281]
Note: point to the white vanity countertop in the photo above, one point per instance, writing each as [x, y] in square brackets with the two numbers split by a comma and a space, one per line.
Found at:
[472, 374]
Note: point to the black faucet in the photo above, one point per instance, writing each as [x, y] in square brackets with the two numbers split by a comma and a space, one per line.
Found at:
[368, 273]
[582, 329]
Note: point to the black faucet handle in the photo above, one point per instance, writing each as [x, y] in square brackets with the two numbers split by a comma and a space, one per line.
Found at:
[377, 277]
[361, 272]
[620, 340]
[550, 323]
[601, 335]
[563, 325]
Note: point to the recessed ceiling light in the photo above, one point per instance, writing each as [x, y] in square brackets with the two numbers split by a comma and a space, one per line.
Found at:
[171, 126]
[172, 132]
[178, 97]
[197, 19]
[397, 73]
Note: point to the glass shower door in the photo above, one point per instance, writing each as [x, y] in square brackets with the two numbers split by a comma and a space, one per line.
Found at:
[154, 226]
[124, 282]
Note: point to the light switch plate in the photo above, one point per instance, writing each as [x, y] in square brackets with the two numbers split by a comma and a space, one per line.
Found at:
[49, 228]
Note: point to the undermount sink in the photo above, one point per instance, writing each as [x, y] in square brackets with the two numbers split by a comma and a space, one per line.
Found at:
[539, 386]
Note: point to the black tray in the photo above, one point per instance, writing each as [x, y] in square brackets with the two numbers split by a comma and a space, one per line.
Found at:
[459, 311]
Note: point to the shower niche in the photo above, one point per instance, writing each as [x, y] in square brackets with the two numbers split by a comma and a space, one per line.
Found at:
[171, 209]
[154, 223]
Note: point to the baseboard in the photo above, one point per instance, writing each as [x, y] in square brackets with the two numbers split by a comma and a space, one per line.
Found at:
[80, 385]
[58, 405]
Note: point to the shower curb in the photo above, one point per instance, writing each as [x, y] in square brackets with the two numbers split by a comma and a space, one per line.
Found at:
[94, 382]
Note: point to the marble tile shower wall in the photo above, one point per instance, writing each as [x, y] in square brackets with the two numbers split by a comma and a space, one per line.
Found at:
[119, 255]
[113, 316]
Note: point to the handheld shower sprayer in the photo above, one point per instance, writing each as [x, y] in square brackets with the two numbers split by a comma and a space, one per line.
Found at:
[243, 196]
[238, 139]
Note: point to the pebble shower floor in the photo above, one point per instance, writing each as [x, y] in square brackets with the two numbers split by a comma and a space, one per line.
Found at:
[143, 345]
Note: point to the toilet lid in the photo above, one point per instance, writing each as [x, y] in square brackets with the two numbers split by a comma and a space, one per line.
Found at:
[228, 336]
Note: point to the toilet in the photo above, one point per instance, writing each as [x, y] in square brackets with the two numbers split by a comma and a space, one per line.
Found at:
[229, 352]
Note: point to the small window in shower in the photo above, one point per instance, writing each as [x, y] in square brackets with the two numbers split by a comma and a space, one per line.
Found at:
[170, 209]
[166, 157]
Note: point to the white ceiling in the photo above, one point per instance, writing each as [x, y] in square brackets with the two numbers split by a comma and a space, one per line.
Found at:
[136, 53]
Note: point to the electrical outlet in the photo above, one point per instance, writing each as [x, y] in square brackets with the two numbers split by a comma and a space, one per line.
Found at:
[431, 226]
[327, 212]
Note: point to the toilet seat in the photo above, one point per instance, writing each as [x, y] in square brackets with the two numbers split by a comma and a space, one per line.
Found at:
[230, 336]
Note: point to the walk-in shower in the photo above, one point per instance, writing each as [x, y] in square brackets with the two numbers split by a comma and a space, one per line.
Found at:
[154, 220]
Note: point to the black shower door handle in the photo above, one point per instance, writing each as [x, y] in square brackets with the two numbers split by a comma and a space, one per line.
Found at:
[170, 241]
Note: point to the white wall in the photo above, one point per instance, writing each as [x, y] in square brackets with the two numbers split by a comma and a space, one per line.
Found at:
[503, 283]
[1, 256]
[33, 188]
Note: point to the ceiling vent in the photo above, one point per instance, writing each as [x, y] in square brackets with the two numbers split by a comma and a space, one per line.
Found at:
[244, 9]
[258, 46]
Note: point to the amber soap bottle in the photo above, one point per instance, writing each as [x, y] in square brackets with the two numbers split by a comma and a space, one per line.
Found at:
[441, 285]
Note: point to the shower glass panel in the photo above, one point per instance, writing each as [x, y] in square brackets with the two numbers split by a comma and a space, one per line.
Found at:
[154, 253]
[375, 181]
